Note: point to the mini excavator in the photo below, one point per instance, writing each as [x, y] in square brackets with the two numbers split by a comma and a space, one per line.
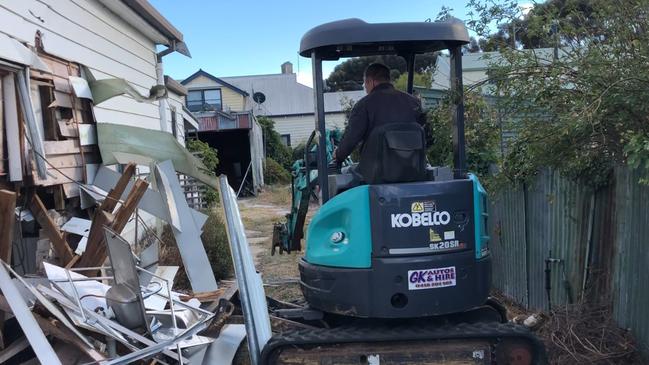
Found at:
[397, 266]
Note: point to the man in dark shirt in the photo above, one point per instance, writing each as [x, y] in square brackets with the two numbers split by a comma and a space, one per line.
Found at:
[383, 104]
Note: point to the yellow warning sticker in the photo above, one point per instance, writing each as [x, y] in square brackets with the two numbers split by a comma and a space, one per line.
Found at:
[417, 207]
[434, 237]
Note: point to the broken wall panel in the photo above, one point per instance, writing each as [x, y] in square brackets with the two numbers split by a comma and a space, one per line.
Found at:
[10, 111]
[188, 238]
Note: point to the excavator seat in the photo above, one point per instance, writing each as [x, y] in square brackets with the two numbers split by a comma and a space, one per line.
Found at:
[393, 153]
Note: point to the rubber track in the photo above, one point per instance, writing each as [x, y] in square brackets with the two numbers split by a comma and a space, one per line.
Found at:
[383, 333]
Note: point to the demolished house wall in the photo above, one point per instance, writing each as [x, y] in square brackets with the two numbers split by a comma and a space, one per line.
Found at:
[84, 171]
[88, 33]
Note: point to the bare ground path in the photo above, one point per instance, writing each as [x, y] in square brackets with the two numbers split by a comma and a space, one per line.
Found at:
[259, 214]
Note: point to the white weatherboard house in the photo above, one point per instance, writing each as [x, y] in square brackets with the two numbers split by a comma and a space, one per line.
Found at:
[114, 39]
[287, 102]
[53, 40]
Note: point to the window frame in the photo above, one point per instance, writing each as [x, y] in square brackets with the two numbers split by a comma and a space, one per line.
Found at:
[203, 100]
[288, 139]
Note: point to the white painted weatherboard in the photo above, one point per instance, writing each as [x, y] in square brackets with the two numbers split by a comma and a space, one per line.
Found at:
[87, 32]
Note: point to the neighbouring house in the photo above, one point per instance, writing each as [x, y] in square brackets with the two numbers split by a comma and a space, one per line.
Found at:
[290, 103]
[70, 68]
[227, 124]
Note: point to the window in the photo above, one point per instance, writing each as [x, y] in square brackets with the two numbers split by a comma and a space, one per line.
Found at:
[204, 100]
[286, 139]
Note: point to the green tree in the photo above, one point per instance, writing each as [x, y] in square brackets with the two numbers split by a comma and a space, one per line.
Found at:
[210, 159]
[419, 79]
[581, 112]
[481, 132]
[275, 149]
[349, 74]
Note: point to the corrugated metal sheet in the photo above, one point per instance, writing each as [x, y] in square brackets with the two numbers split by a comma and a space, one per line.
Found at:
[549, 218]
[507, 221]
[599, 236]
[630, 282]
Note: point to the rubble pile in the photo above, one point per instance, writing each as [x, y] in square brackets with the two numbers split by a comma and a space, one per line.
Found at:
[79, 293]
[76, 284]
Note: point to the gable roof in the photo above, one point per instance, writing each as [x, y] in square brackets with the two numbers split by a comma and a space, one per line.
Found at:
[200, 72]
[286, 96]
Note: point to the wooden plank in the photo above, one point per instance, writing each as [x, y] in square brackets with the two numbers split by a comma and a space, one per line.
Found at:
[64, 161]
[115, 193]
[66, 147]
[95, 253]
[8, 217]
[60, 176]
[68, 128]
[17, 346]
[59, 244]
[53, 328]
[71, 190]
[125, 211]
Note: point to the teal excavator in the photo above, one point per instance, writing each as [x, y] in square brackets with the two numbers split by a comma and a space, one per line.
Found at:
[397, 266]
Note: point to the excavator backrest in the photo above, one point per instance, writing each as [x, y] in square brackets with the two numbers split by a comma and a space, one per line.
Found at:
[394, 153]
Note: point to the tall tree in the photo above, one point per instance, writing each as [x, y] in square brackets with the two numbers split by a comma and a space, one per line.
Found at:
[349, 74]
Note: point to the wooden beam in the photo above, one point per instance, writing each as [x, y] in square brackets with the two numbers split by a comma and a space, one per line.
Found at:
[51, 229]
[125, 211]
[67, 147]
[52, 327]
[116, 192]
[13, 349]
[96, 248]
[7, 219]
[95, 253]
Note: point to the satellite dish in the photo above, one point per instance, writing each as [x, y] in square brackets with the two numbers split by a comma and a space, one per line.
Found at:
[259, 97]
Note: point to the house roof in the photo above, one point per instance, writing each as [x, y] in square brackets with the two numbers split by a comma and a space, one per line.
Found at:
[175, 86]
[221, 81]
[480, 61]
[286, 96]
[153, 17]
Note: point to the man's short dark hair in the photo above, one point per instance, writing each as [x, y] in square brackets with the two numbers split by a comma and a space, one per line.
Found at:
[378, 72]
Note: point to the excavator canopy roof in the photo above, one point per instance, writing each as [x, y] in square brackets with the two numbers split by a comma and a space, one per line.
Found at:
[354, 37]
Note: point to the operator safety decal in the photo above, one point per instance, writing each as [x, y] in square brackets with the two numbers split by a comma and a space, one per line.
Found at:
[431, 278]
[422, 214]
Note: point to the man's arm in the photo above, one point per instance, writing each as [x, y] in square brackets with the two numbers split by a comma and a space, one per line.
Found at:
[356, 128]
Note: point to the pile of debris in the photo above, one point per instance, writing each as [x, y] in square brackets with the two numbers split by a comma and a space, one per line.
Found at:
[75, 284]
[85, 289]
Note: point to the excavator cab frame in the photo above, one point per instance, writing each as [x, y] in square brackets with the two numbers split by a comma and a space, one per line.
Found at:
[354, 38]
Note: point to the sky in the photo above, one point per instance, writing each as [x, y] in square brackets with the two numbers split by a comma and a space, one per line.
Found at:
[253, 37]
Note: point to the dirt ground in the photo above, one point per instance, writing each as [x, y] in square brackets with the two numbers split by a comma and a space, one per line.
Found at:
[259, 214]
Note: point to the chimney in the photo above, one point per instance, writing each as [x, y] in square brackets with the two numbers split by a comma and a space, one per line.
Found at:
[287, 68]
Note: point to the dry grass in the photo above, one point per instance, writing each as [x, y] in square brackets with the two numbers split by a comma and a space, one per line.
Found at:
[259, 214]
[279, 195]
[587, 334]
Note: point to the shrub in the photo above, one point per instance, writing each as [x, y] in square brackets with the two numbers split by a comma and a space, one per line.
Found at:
[275, 149]
[274, 173]
[210, 158]
[215, 241]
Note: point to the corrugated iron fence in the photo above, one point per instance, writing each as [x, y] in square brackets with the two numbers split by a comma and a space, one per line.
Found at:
[595, 243]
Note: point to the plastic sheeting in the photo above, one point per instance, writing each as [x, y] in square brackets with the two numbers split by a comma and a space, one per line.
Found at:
[124, 144]
[105, 89]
